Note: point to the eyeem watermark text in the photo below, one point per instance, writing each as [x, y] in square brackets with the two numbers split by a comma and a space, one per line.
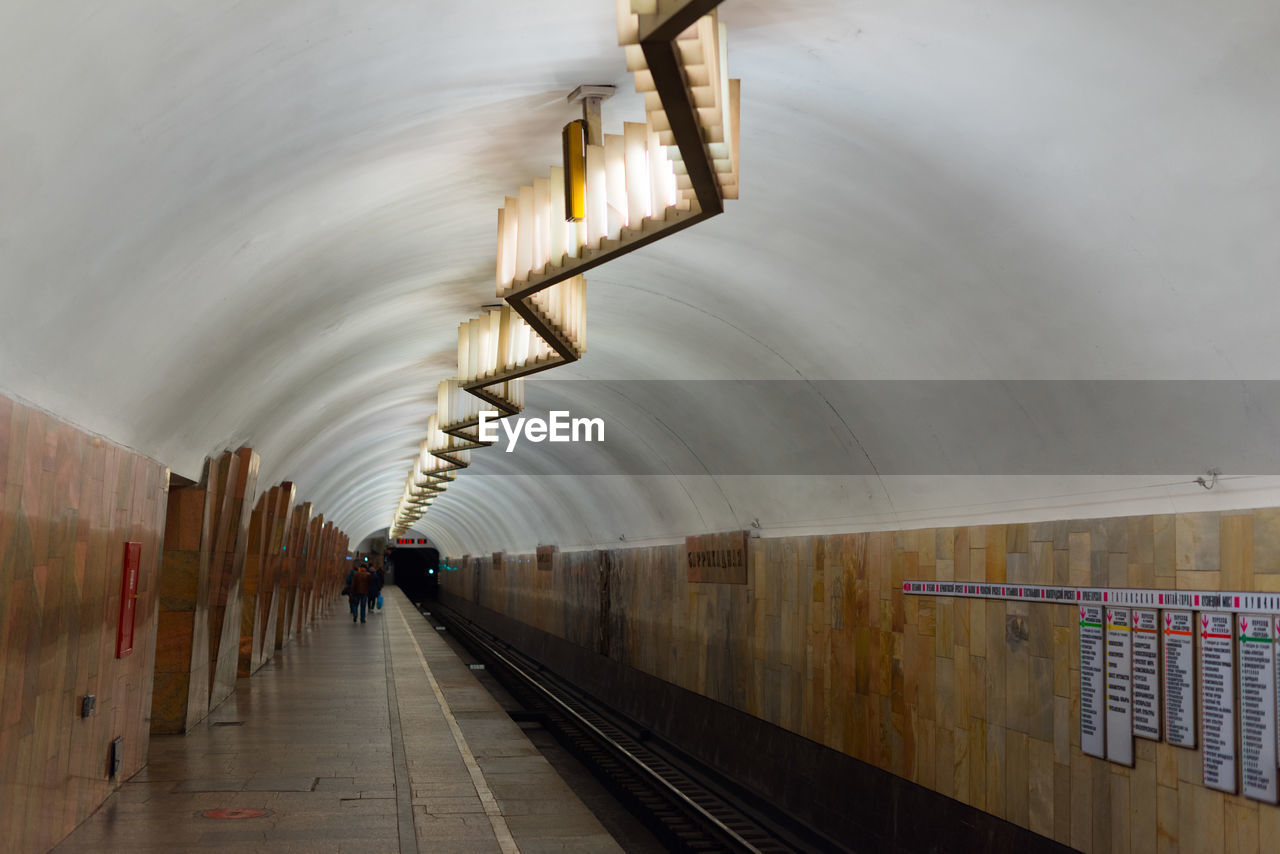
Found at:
[560, 428]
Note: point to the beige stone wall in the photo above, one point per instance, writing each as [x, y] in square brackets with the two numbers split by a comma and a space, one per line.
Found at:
[976, 700]
[68, 504]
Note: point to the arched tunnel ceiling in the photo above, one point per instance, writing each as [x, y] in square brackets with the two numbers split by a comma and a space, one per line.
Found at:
[260, 224]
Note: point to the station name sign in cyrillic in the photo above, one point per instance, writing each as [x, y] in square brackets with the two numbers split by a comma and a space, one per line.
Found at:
[717, 558]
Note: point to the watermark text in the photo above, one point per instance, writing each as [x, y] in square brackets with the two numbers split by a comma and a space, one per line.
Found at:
[558, 428]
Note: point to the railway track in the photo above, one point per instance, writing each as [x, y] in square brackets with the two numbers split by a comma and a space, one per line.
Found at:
[681, 806]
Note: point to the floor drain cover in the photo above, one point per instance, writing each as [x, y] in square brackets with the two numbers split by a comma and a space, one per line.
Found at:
[233, 813]
[228, 723]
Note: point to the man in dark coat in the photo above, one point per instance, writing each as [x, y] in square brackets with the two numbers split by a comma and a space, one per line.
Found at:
[375, 589]
[358, 591]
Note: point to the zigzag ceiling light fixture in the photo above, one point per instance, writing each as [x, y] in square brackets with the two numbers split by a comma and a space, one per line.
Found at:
[613, 194]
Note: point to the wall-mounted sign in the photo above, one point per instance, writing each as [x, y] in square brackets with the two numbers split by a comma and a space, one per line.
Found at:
[1146, 674]
[1119, 687]
[1257, 707]
[546, 557]
[1179, 678]
[1276, 656]
[404, 541]
[128, 598]
[1092, 682]
[717, 558]
[1217, 701]
[499, 560]
[1265, 603]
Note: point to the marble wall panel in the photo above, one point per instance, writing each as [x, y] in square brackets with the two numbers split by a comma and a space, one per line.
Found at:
[69, 501]
[976, 700]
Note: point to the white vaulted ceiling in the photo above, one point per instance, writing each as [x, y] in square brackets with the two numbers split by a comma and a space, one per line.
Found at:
[259, 224]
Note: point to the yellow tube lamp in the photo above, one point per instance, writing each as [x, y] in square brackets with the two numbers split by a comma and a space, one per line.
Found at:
[575, 171]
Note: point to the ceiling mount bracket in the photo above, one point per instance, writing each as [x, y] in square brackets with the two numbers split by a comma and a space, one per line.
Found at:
[592, 95]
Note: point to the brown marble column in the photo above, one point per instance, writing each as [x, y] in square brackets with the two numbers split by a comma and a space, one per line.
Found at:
[340, 566]
[334, 572]
[316, 604]
[200, 584]
[238, 478]
[306, 577]
[180, 697]
[270, 592]
[254, 559]
[292, 567]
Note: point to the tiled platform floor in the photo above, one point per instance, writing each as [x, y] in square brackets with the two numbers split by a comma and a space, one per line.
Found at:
[345, 740]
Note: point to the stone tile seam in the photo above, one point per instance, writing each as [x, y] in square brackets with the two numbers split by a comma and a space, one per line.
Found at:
[499, 823]
[406, 830]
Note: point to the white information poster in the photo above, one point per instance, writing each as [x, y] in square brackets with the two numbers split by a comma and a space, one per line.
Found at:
[1119, 687]
[1179, 678]
[1092, 682]
[1257, 707]
[1146, 674]
[1275, 634]
[1217, 700]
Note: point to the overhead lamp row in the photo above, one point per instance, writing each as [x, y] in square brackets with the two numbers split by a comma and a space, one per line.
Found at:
[603, 201]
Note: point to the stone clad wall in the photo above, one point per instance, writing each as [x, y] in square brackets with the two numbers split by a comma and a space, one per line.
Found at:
[975, 700]
[68, 503]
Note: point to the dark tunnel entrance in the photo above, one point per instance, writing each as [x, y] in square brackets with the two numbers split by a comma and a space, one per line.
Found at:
[416, 571]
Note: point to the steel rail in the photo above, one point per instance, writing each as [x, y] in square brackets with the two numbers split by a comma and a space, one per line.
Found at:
[654, 776]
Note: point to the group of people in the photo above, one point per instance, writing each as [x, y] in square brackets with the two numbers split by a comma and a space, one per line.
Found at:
[364, 590]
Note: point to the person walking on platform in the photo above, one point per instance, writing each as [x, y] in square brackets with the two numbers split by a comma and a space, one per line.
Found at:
[375, 590]
[382, 582]
[358, 595]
